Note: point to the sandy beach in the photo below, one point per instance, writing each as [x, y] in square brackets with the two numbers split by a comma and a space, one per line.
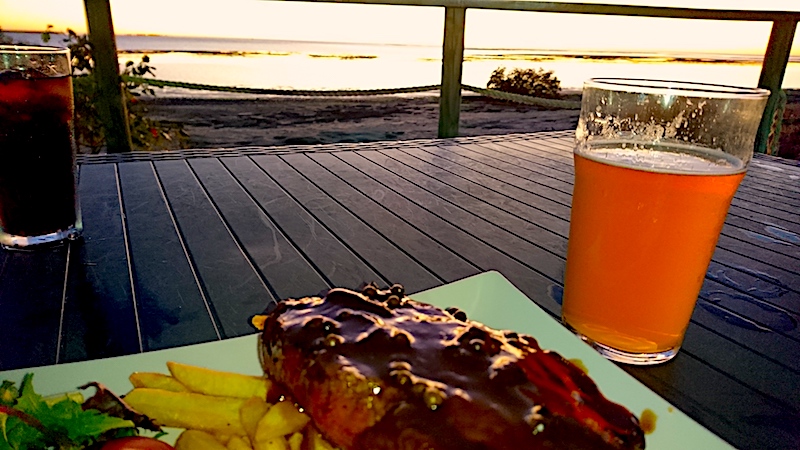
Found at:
[274, 121]
[214, 123]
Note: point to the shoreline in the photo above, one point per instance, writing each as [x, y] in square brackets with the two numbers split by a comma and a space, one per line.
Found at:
[245, 121]
[263, 121]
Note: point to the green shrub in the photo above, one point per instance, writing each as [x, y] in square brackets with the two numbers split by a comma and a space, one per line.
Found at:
[537, 83]
[146, 133]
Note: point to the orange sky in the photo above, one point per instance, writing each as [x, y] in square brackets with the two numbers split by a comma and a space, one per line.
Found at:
[410, 25]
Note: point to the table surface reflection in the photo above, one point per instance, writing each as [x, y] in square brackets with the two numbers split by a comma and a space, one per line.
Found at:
[181, 248]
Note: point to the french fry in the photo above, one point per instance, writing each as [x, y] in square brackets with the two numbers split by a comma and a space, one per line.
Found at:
[295, 441]
[316, 441]
[222, 438]
[238, 443]
[156, 381]
[189, 410]
[197, 440]
[251, 413]
[214, 382]
[276, 443]
[282, 418]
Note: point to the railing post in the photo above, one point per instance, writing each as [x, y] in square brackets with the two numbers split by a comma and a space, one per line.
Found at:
[772, 71]
[452, 58]
[110, 103]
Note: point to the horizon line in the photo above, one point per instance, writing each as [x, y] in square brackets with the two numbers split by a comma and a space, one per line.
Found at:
[540, 51]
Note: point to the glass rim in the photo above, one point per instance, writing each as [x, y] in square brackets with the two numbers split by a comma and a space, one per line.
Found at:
[35, 49]
[682, 88]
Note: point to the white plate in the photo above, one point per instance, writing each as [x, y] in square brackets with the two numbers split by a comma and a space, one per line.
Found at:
[488, 297]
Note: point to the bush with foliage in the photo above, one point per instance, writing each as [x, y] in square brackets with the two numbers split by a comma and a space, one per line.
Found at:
[537, 83]
[146, 133]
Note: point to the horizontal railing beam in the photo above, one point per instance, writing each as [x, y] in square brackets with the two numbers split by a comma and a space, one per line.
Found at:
[588, 8]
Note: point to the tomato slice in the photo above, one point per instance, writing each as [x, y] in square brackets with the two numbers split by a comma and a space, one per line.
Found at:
[136, 443]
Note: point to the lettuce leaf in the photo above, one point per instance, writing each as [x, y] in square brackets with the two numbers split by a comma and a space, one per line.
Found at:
[30, 422]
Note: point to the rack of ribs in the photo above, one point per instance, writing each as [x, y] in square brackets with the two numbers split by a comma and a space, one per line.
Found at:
[376, 370]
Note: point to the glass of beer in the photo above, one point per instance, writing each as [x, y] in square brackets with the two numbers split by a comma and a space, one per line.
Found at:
[38, 203]
[656, 166]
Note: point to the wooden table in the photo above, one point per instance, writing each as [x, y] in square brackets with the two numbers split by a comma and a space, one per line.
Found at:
[181, 248]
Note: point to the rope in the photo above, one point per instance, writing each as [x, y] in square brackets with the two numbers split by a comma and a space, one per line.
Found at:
[499, 95]
[773, 140]
[526, 99]
[292, 92]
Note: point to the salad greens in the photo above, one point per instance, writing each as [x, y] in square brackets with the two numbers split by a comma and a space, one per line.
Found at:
[30, 421]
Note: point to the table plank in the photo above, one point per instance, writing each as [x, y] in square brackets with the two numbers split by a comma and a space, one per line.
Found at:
[31, 312]
[774, 282]
[337, 263]
[100, 319]
[550, 206]
[387, 258]
[759, 185]
[739, 413]
[171, 306]
[533, 162]
[754, 324]
[286, 270]
[529, 242]
[436, 220]
[210, 237]
[772, 236]
[443, 264]
[720, 294]
[232, 288]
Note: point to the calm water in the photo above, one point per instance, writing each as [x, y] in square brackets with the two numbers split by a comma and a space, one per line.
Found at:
[332, 66]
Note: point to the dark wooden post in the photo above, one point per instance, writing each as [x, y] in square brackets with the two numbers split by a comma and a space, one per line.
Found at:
[772, 71]
[110, 103]
[452, 58]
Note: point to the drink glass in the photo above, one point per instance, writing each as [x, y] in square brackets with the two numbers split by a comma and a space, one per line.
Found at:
[38, 203]
[656, 166]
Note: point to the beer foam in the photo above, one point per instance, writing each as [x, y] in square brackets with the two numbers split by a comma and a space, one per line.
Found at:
[667, 158]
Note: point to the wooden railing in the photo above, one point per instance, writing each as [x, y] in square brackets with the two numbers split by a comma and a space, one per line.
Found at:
[784, 24]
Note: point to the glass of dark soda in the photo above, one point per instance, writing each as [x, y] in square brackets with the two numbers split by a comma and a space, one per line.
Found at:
[38, 201]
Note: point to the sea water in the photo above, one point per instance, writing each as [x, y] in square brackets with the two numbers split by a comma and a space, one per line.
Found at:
[280, 64]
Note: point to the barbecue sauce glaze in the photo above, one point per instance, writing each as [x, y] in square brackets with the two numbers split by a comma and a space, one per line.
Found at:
[377, 370]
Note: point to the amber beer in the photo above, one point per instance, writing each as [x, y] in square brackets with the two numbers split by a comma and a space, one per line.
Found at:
[656, 166]
[635, 220]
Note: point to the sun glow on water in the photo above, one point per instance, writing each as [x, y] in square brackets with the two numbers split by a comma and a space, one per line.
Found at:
[411, 25]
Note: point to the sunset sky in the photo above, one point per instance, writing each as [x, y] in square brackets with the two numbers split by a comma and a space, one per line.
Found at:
[410, 25]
